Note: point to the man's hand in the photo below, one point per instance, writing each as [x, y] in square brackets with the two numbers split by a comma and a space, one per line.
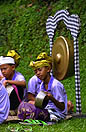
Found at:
[31, 102]
[58, 104]
[49, 96]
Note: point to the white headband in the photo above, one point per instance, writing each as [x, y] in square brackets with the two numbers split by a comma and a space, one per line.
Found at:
[6, 60]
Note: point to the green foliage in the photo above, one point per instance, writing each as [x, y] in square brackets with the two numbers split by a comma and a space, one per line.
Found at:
[23, 27]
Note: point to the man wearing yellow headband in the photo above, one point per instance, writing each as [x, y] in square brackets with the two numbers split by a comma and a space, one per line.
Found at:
[57, 105]
[42, 60]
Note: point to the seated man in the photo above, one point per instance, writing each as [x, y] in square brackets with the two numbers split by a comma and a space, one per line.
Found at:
[34, 87]
[13, 78]
[4, 104]
[56, 109]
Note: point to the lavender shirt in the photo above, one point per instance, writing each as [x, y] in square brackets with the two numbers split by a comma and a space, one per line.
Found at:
[34, 85]
[56, 88]
[22, 91]
[4, 104]
[17, 77]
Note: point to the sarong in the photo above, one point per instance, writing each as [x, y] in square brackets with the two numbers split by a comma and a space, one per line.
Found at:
[29, 111]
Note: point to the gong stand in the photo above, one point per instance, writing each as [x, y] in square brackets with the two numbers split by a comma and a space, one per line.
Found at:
[72, 23]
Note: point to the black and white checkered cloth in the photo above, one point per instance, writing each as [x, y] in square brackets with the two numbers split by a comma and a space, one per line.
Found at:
[72, 23]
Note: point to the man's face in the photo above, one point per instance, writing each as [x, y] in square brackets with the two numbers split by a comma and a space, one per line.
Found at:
[7, 70]
[42, 73]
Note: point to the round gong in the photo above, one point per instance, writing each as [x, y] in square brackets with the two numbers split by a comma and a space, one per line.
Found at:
[41, 100]
[63, 58]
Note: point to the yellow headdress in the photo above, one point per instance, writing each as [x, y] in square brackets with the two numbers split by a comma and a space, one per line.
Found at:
[15, 55]
[42, 60]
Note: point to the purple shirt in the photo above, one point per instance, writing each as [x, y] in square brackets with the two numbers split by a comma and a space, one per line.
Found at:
[57, 90]
[4, 104]
[34, 85]
[17, 77]
[16, 95]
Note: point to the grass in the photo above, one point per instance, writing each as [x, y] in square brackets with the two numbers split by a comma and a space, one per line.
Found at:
[73, 125]
[23, 32]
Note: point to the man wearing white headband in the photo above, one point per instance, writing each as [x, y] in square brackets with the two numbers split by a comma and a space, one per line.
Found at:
[13, 78]
[6, 65]
[6, 60]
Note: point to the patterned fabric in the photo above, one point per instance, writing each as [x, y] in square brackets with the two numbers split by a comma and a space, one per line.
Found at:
[26, 111]
[72, 23]
[29, 111]
[42, 60]
[4, 104]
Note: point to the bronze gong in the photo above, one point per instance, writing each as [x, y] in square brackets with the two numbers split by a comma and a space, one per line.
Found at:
[63, 58]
